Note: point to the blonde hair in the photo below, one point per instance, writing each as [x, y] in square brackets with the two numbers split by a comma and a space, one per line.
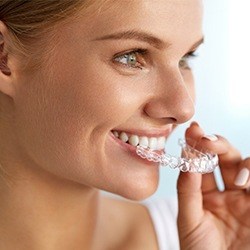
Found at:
[30, 20]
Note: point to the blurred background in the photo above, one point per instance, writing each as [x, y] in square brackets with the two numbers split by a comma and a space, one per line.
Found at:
[222, 75]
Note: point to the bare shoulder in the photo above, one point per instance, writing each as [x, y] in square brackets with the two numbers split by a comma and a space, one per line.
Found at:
[130, 222]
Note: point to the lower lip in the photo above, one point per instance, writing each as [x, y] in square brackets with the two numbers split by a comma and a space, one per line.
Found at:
[132, 150]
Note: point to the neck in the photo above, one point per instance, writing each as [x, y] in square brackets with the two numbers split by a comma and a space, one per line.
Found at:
[41, 211]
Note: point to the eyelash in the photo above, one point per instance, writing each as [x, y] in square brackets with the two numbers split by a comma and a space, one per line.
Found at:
[143, 52]
[188, 56]
[136, 51]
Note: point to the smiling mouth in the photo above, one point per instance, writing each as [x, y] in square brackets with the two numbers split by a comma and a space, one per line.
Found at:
[151, 151]
[153, 143]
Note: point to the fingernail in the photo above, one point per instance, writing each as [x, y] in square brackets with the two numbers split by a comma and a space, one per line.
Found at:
[210, 137]
[242, 177]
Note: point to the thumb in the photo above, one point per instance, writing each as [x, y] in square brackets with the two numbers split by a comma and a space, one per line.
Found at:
[190, 202]
[190, 199]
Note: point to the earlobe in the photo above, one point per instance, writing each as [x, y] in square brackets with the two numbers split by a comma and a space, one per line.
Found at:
[6, 84]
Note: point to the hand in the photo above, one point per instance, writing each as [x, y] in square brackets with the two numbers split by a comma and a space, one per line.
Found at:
[209, 218]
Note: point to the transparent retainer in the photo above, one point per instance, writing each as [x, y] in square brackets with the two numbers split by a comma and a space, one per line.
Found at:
[192, 161]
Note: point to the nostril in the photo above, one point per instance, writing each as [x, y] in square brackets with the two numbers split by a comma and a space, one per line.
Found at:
[170, 119]
[162, 112]
[161, 119]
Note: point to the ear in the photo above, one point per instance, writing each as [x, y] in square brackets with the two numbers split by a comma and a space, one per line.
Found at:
[6, 74]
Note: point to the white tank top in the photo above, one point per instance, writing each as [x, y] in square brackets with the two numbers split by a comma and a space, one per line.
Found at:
[164, 216]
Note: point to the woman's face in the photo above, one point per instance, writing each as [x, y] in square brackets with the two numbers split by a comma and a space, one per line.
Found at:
[120, 69]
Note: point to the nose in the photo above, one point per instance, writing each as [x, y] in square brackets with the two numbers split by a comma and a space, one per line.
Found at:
[172, 100]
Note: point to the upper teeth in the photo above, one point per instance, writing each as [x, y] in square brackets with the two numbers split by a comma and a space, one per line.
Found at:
[154, 143]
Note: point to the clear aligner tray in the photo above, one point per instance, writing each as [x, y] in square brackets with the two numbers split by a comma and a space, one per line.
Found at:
[192, 161]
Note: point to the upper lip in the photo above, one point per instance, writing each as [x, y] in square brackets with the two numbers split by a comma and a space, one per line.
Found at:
[146, 132]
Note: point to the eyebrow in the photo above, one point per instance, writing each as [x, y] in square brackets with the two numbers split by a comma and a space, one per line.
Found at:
[144, 37]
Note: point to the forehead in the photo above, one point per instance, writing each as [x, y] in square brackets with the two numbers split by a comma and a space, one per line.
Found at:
[168, 18]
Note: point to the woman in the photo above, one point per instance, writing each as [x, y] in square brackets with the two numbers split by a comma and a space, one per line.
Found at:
[75, 75]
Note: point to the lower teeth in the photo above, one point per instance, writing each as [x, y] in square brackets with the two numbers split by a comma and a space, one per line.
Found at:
[195, 161]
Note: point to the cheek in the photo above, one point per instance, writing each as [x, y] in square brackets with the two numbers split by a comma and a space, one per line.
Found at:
[48, 124]
[106, 97]
[62, 118]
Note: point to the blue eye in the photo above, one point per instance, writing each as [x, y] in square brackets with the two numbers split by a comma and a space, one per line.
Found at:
[131, 59]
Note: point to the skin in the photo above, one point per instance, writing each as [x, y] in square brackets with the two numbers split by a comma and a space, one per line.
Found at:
[56, 145]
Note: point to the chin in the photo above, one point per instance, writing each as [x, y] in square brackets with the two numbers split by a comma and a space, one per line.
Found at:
[138, 191]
